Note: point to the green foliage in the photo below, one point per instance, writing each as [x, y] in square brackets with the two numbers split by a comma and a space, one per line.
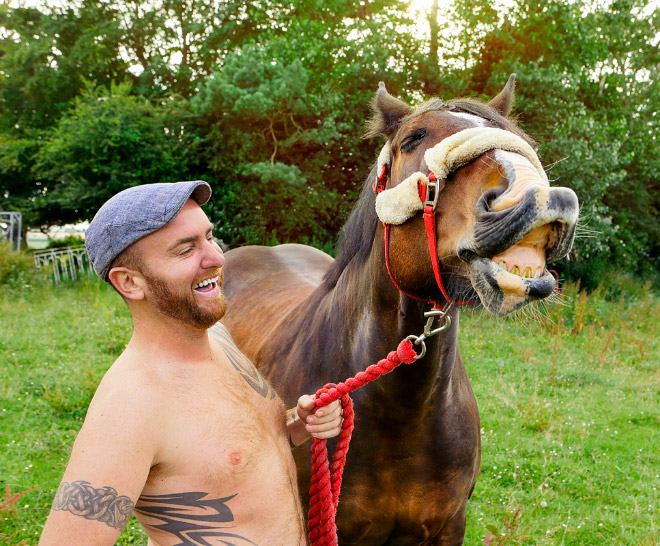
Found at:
[108, 141]
[285, 143]
[268, 101]
[69, 240]
[16, 268]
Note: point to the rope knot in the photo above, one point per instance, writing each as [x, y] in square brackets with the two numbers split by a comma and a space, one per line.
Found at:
[405, 352]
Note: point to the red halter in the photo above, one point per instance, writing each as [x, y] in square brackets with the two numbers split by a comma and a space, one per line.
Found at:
[428, 194]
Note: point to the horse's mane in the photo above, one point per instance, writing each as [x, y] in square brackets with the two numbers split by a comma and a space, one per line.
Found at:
[357, 235]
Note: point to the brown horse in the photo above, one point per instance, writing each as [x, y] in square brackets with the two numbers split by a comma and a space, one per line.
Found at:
[305, 319]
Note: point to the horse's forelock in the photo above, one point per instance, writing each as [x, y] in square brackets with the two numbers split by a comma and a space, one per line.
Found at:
[358, 233]
[476, 108]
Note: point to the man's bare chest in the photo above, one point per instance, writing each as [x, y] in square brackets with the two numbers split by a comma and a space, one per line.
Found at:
[225, 465]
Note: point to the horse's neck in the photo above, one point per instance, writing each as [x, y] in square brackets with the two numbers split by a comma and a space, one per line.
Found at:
[376, 318]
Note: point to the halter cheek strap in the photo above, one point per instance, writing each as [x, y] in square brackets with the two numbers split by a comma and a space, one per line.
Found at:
[424, 190]
[420, 192]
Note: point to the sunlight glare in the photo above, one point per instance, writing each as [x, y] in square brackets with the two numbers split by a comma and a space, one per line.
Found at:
[417, 6]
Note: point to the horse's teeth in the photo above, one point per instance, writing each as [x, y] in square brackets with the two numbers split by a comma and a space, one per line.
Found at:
[528, 273]
[515, 270]
[539, 271]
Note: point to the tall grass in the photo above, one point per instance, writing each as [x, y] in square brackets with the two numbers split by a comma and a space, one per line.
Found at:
[570, 410]
[569, 401]
[16, 268]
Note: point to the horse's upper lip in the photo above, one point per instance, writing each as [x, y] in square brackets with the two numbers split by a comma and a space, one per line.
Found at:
[495, 232]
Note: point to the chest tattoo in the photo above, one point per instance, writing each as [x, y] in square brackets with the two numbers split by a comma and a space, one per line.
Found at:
[241, 363]
[191, 518]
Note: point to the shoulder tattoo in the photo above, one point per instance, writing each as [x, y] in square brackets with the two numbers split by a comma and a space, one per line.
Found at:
[241, 363]
[103, 504]
[191, 517]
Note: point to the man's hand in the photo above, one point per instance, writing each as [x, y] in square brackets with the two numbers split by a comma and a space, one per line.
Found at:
[303, 422]
[325, 423]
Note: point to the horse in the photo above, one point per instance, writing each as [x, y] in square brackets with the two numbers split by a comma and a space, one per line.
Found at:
[305, 319]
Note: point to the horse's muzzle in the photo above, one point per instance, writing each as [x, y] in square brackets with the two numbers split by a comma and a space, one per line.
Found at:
[508, 249]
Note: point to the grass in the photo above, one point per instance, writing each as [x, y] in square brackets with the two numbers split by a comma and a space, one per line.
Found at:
[569, 403]
[570, 416]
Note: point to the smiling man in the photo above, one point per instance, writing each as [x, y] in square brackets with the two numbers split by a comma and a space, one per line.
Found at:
[183, 431]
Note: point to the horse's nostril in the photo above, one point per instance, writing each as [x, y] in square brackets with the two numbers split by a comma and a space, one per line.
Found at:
[467, 254]
[484, 203]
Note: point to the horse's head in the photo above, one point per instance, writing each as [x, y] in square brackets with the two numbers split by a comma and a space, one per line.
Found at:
[498, 221]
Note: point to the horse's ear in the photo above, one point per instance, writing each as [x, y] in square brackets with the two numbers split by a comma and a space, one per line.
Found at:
[504, 100]
[388, 113]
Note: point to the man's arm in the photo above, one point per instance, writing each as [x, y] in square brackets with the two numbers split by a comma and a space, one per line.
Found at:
[302, 423]
[108, 468]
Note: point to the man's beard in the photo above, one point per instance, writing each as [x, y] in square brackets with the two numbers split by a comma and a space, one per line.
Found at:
[183, 307]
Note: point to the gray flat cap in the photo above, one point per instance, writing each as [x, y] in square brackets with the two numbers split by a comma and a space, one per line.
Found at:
[135, 213]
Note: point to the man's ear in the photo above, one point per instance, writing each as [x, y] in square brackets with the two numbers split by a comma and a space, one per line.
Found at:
[128, 282]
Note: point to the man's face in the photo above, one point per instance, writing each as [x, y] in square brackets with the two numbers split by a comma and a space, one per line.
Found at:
[183, 269]
[182, 305]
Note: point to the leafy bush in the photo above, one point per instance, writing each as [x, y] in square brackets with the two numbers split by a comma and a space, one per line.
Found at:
[16, 268]
[69, 240]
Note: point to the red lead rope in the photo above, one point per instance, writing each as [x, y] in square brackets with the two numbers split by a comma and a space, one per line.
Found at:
[326, 481]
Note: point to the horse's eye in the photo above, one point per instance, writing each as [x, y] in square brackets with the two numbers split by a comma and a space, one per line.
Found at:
[412, 140]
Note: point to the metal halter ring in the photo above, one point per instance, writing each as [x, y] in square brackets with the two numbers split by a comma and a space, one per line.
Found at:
[418, 341]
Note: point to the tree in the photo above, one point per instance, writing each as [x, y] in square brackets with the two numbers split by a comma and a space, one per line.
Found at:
[585, 75]
[108, 141]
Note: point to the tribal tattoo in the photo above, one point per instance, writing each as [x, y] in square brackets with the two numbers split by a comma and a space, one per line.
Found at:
[241, 363]
[103, 504]
[191, 518]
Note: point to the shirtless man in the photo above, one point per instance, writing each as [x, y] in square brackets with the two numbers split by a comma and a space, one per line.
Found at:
[182, 431]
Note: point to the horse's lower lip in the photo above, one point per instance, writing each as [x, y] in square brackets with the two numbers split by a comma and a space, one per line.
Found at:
[510, 283]
[502, 292]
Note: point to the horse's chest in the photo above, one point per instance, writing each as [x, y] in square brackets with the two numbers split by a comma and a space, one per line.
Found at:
[410, 515]
[408, 488]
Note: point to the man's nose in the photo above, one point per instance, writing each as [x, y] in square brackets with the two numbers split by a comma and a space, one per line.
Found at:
[213, 256]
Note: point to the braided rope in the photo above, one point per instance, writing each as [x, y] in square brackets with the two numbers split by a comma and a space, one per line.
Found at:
[326, 478]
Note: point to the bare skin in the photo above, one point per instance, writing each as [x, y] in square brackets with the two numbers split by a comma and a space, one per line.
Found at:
[183, 431]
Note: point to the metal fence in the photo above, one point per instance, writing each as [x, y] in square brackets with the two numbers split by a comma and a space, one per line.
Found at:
[11, 226]
[67, 263]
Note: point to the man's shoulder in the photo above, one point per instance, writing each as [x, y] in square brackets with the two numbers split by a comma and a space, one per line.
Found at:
[129, 388]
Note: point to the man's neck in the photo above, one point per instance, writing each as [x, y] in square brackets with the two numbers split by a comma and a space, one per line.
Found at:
[170, 337]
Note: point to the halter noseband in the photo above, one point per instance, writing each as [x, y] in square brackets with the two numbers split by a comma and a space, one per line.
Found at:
[420, 192]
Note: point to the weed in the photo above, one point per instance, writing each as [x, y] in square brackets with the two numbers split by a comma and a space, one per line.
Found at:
[509, 533]
[8, 504]
[537, 414]
[607, 339]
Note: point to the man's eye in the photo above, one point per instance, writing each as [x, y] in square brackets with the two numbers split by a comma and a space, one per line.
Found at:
[412, 140]
[186, 251]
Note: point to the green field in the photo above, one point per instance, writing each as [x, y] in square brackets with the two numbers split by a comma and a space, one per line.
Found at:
[569, 399]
